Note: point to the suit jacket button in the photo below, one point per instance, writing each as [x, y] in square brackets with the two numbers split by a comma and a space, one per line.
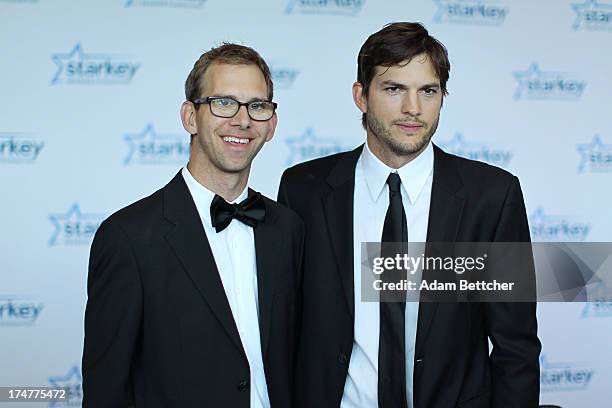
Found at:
[342, 358]
[243, 385]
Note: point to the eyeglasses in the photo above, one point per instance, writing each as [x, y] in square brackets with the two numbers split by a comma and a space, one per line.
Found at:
[226, 107]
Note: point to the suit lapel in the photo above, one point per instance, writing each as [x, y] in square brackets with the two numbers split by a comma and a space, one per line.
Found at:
[338, 208]
[266, 233]
[189, 243]
[445, 211]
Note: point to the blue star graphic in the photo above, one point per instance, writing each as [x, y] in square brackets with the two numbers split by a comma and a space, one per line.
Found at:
[76, 54]
[588, 149]
[149, 134]
[307, 140]
[72, 382]
[523, 78]
[456, 143]
[74, 214]
[589, 5]
[537, 217]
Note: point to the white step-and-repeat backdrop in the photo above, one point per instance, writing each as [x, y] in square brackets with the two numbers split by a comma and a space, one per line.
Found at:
[89, 122]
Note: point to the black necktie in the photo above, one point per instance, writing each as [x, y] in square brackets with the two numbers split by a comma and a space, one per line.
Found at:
[250, 211]
[392, 342]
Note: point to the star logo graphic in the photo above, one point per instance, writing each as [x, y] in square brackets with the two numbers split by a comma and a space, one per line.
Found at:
[347, 8]
[537, 84]
[533, 73]
[600, 302]
[74, 227]
[476, 151]
[469, 12]
[72, 382]
[592, 15]
[78, 67]
[76, 54]
[595, 157]
[166, 3]
[149, 147]
[283, 76]
[456, 144]
[563, 376]
[557, 228]
[307, 146]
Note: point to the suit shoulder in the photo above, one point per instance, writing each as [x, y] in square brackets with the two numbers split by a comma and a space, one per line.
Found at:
[483, 174]
[133, 219]
[286, 215]
[314, 169]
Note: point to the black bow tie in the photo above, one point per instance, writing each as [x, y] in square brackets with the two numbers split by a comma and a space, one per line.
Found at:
[250, 211]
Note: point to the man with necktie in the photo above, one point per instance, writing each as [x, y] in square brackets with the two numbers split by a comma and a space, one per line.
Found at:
[193, 291]
[400, 187]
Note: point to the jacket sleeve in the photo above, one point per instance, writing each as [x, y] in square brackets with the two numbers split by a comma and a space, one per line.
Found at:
[512, 327]
[112, 320]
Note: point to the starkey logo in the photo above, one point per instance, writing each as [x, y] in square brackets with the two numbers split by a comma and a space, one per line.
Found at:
[165, 3]
[535, 84]
[595, 157]
[19, 148]
[593, 16]
[78, 67]
[556, 228]
[150, 147]
[476, 150]
[600, 302]
[477, 12]
[283, 76]
[309, 146]
[564, 376]
[72, 382]
[19, 310]
[74, 227]
[333, 7]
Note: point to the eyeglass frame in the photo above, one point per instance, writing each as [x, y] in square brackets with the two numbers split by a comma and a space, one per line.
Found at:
[206, 101]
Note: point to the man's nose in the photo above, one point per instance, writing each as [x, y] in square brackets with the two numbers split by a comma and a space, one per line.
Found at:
[242, 118]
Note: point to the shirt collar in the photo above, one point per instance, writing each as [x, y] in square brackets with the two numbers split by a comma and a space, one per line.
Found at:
[203, 197]
[413, 174]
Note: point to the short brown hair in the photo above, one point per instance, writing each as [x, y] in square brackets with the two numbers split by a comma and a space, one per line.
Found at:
[396, 43]
[226, 53]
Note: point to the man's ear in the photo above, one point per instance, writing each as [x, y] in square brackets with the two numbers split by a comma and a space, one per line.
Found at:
[188, 117]
[273, 123]
[360, 99]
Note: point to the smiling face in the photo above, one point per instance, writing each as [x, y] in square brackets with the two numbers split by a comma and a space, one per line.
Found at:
[227, 145]
[403, 109]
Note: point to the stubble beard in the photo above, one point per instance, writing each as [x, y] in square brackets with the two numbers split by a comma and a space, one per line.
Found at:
[388, 142]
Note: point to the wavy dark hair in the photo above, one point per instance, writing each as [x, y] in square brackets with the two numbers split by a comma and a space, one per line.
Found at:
[398, 43]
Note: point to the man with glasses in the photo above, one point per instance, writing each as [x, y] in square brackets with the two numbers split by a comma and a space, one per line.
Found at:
[193, 291]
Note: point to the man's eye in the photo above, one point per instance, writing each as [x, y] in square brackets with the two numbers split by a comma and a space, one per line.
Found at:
[431, 91]
[392, 89]
[256, 106]
[224, 102]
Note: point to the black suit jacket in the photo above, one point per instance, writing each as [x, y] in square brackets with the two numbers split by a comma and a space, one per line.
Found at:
[159, 331]
[470, 201]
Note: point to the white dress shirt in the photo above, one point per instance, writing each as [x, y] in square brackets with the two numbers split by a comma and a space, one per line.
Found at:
[370, 203]
[234, 253]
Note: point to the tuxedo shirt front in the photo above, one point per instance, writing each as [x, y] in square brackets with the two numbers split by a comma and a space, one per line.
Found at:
[234, 253]
[371, 200]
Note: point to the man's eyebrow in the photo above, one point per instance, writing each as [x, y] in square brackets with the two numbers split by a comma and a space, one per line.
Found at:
[394, 84]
